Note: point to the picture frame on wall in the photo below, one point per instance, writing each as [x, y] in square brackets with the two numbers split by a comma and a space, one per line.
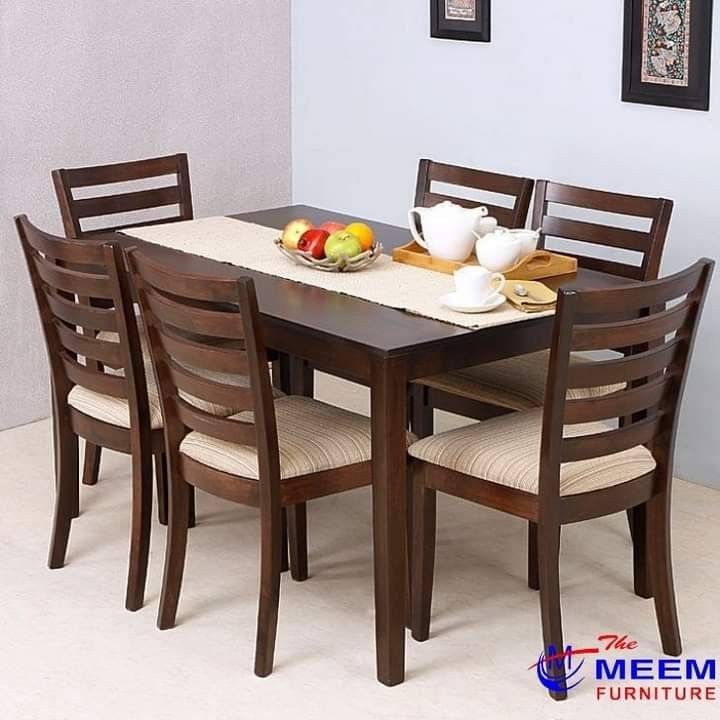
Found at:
[460, 20]
[667, 51]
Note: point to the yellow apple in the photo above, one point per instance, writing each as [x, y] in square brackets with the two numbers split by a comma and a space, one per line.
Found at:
[293, 231]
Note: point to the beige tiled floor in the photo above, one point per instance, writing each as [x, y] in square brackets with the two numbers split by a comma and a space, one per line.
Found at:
[69, 649]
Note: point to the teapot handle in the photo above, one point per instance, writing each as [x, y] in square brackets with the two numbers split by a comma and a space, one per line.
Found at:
[412, 222]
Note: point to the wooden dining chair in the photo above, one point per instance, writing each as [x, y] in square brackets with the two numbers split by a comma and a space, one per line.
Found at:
[518, 383]
[517, 190]
[272, 455]
[574, 459]
[75, 210]
[99, 390]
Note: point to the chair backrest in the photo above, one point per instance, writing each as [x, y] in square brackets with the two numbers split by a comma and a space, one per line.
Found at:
[75, 210]
[519, 190]
[660, 334]
[647, 243]
[82, 291]
[201, 330]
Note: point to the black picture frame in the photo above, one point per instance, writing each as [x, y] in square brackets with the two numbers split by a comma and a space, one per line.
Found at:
[693, 96]
[473, 30]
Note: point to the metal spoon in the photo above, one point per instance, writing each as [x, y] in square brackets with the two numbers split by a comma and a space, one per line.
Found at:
[522, 291]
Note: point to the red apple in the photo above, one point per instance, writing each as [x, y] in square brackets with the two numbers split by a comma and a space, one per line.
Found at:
[331, 226]
[294, 231]
[313, 241]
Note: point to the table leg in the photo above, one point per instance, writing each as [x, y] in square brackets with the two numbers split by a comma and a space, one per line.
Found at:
[389, 463]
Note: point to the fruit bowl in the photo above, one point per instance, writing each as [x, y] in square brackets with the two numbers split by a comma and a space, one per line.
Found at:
[342, 264]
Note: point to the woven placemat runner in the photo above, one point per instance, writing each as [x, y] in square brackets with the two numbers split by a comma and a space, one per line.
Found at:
[388, 283]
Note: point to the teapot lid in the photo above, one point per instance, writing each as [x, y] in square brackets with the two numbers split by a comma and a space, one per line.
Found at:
[449, 206]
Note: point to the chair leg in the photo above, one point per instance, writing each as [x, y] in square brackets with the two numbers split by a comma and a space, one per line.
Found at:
[631, 523]
[421, 418]
[423, 557]
[175, 549]
[642, 580]
[660, 555]
[284, 557]
[91, 465]
[191, 514]
[141, 523]
[66, 492]
[297, 533]
[549, 572]
[161, 482]
[270, 556]
[533, 577]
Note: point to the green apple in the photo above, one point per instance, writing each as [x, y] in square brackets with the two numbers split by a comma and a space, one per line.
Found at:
[342, 244]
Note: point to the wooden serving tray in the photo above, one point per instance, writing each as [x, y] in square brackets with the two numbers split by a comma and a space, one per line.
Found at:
[540, 264]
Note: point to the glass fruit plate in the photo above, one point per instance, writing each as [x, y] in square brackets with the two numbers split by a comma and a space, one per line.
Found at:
[342, 264]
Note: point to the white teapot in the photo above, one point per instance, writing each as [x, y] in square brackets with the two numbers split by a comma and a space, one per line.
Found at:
[447, 229]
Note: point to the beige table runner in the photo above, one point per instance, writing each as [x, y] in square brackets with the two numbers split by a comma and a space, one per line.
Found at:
[395, 285]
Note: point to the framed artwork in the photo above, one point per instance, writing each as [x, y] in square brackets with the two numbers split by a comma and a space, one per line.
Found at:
[667, 53]
[460, 20]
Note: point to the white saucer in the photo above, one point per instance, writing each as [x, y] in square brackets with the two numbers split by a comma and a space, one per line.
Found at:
[453, 302]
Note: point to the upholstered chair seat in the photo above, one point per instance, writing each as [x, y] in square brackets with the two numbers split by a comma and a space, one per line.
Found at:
[312, 437]
[517, 383]
[506, 451]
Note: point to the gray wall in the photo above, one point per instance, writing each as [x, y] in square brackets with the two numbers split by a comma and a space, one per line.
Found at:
[543, 99]
[85, 82]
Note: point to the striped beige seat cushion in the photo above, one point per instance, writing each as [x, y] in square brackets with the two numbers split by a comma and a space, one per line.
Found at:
[116, 411]
[312, 437]
[517, 383]
[506, 451]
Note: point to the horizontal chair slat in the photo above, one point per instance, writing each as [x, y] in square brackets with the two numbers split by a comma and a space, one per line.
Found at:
[127, 202]
[142, 223]
[122, 172]
[608, 443]
[626, 369]
[108, 353]
[195, 320]
[97, 381]
[467, 177]
[598, 234]
[83, 316]
[619, 404]
[213, 391]
[630, 332]
[601, 200]
[80, 254]
[216, 427]
[81, 284]
[195, 288]
[648, 294]
[188, 352]
[632, 272]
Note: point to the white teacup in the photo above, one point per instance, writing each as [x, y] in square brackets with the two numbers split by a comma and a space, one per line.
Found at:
[477, 286]
[528, 238]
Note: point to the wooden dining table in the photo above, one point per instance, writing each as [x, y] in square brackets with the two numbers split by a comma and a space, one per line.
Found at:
[384, 349]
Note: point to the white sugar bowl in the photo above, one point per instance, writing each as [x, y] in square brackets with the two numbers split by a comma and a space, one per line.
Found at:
[499, 250]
